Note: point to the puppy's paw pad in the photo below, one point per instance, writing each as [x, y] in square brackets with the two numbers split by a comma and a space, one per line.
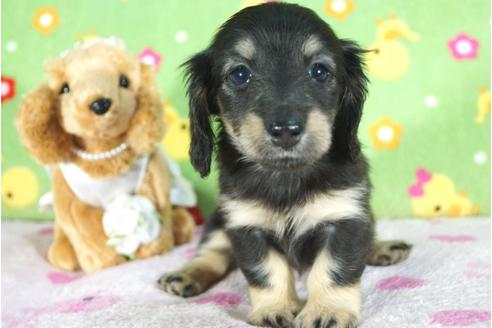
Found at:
[314, 317]
[275, 317]
[389, 253]
[179, 283]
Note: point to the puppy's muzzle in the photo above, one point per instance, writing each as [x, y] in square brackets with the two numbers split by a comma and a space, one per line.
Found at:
[100, 106]
[286, 134]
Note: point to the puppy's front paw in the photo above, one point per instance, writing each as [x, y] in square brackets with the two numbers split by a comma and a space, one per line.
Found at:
[275, 316]
[322, 317]
[179, 283]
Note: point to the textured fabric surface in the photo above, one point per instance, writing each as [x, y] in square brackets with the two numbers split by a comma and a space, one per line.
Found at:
[426, 127]
[444, 283]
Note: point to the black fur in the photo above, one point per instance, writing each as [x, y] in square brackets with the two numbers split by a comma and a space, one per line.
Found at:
[280, 88]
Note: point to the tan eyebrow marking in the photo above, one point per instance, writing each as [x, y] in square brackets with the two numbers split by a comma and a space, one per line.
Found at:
[311, 46]
[245, 48]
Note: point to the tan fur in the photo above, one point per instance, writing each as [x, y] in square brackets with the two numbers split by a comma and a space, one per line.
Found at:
[328, 301]
[245, 48]
[50, 124]
[318, 132]
[252, 125]
[211, 263]
[311, 46]
[336, 205]
[280, 297]
[319, 129]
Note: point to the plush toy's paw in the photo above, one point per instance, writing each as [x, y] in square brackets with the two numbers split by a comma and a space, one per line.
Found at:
[315, 316]
[183, 225]
[280, 315]
[62, 255]
[389, 252]
[91, 262]
[179, 283]
[163, 244]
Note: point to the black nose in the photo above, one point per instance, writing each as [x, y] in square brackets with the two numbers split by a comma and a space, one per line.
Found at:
[286, 135]
[100, 106]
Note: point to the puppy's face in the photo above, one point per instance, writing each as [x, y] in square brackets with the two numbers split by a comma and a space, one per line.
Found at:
[282, 84]
[278, 96]
[97, 89]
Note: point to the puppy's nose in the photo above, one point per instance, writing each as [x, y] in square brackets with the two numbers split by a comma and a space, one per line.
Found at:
[100, 106]
[286, 135]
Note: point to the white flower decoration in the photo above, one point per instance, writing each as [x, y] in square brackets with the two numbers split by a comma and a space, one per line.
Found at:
[129, 221]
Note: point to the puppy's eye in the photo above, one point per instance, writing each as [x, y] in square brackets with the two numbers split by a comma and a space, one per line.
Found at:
[124, 83]
[65, 88]
[319, 72]
[240, 76]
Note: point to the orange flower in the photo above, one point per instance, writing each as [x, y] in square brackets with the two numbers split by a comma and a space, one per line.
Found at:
[385, 134]
[339, 8]
[45, 20]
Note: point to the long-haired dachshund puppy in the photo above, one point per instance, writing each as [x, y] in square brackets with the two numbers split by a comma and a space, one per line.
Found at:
[294, 187]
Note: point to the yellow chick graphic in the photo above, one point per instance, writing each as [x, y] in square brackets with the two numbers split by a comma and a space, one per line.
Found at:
[434, 195]
[483, 105]
[176, 141]
[388, 58]
[20, 187]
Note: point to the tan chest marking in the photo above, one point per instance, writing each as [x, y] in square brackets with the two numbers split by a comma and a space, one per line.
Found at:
[333, 206]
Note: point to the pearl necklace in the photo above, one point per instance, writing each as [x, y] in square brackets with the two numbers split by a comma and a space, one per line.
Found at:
[102, 155]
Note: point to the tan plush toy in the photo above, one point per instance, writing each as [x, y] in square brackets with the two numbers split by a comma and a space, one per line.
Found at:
[97, 123]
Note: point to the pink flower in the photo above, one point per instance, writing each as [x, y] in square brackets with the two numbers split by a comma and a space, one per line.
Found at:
[150, 57]
[463, 47]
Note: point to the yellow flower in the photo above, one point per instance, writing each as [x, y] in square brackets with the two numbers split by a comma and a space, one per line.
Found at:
[45, 20]
[385, 134]
[339, 8]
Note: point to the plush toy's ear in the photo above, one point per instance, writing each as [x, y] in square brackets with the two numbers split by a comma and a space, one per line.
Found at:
[39, 128]
[147, 125]
[198, 73]
[351, 101]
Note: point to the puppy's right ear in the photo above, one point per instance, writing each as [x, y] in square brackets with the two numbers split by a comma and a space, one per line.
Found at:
[39, 128]
[199, 80]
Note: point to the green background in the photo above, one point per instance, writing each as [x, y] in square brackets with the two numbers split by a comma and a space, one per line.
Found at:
[443, 139]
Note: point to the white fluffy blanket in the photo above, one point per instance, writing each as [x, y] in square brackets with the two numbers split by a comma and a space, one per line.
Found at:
[444, 283]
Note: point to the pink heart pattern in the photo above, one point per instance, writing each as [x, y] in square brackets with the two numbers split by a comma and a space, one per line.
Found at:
[398, 282]
[460, 318]
[62, 278]
[453, 239]
[223, 299]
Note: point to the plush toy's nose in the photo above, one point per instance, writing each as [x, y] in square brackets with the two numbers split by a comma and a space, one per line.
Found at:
[100, 106]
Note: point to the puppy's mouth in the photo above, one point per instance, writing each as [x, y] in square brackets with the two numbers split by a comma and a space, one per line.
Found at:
[283, 163]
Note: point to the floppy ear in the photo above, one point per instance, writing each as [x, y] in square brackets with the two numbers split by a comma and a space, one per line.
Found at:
[147, 125]
[39, 129]
[351, 101]
[201, 107]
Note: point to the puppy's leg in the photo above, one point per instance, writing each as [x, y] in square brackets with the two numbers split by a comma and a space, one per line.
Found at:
[212, 262]
[388, 252]
[334, 298]
[271, 283]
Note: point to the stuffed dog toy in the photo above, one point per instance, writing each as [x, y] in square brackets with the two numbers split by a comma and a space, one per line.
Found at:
[96, 123]
[294, 187]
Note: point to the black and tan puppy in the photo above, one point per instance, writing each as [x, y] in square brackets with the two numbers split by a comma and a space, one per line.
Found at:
[294, 187]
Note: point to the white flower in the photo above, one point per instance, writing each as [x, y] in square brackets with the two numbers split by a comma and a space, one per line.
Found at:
[130, 221]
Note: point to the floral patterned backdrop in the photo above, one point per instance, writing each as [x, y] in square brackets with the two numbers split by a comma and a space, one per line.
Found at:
[426, 127]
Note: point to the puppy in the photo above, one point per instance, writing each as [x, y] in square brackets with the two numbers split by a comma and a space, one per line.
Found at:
[294, 187]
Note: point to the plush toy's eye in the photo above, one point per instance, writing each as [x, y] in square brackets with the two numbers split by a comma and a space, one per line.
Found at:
[240, 76]
[124, 81]
[65, 88]
[319, 72]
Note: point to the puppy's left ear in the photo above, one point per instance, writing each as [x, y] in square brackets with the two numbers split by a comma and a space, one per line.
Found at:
[147, 125]
[351, 101]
